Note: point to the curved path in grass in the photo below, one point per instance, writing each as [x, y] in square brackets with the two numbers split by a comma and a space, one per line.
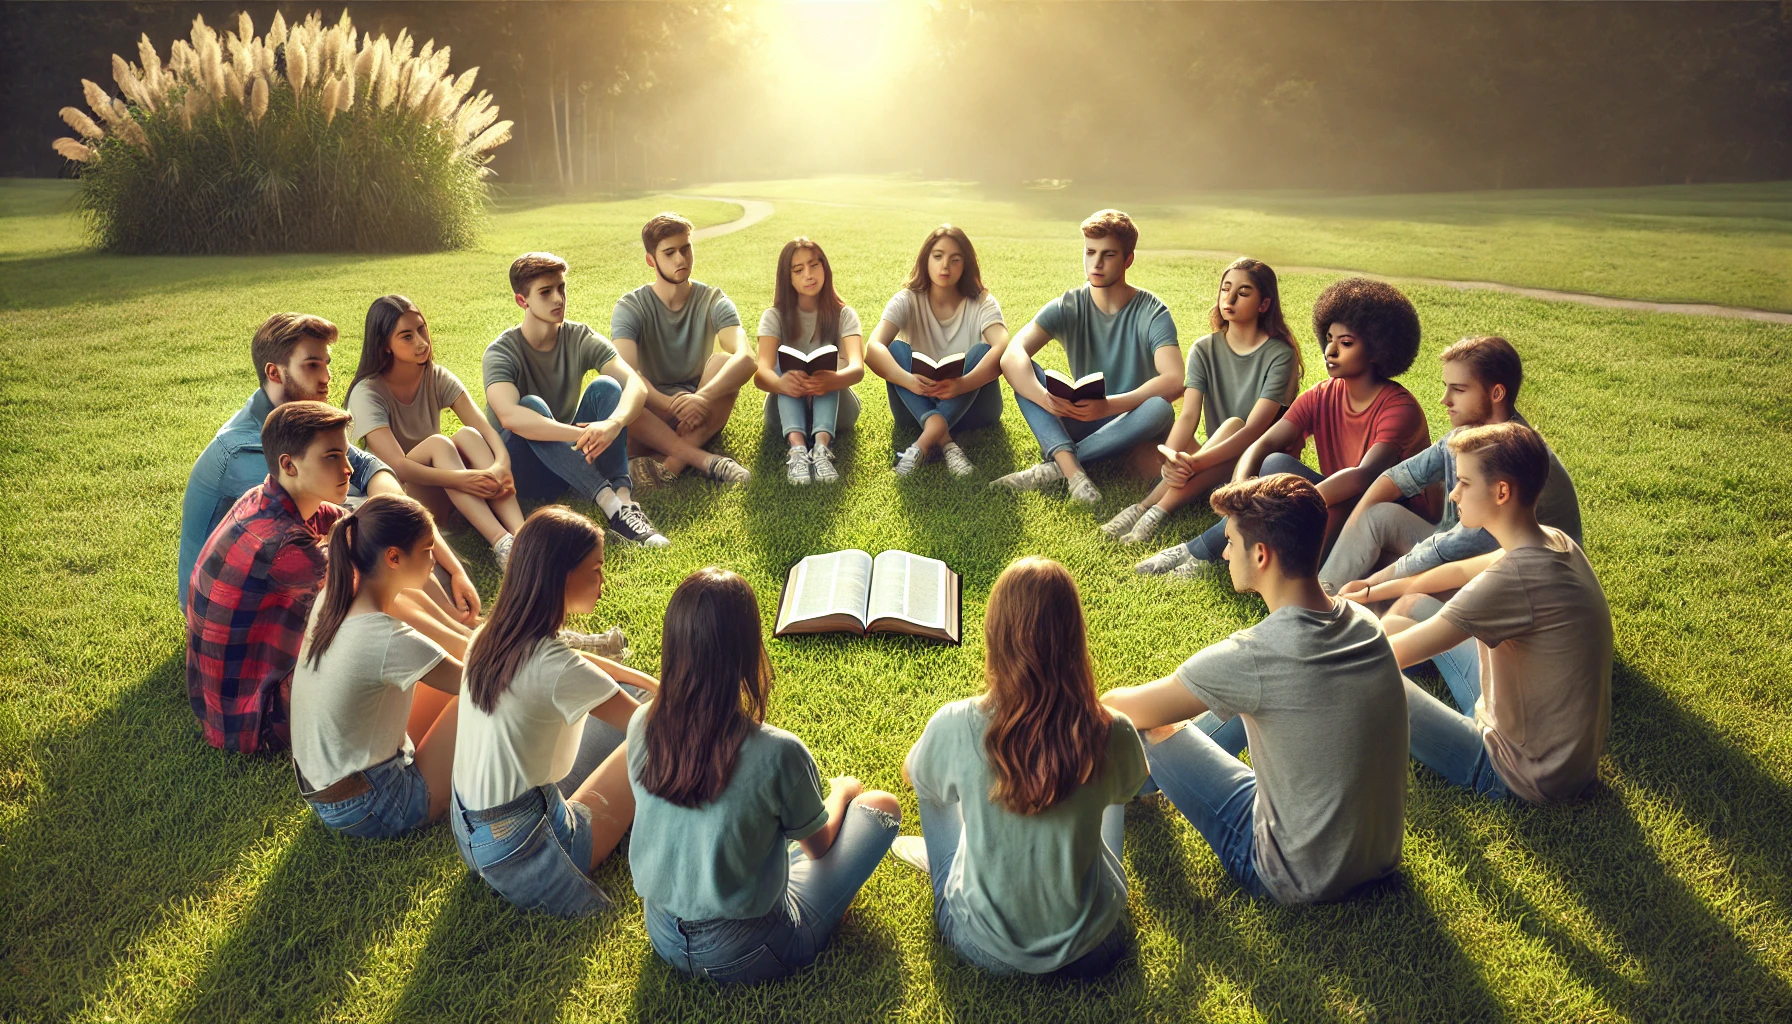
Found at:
[755, 210]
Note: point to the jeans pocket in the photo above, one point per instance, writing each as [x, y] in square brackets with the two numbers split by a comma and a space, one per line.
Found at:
[346, 816]
[759, 964]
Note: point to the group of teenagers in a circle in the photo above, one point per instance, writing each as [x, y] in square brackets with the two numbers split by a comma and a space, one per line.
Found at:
[311, 624]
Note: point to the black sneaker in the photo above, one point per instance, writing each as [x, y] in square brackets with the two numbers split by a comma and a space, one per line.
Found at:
[631, 525]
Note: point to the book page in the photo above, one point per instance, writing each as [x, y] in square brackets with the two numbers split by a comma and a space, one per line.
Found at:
[909, 587]
[835, 583]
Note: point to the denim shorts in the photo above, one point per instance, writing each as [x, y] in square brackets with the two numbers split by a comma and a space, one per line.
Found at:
[396, 801]
[731, 952]
[533, 850]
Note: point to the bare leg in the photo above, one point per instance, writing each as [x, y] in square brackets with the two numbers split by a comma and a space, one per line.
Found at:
[1067, 463]
[655, 434]
[1172, 498]
[934, 435]
[478, 454]
[823, 438]
[606, 792]
[700, 435]
[435, 751]
[436, 450]
[795, 437]
[415, 609]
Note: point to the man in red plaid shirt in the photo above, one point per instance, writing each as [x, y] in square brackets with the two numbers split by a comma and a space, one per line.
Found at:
[257, 576]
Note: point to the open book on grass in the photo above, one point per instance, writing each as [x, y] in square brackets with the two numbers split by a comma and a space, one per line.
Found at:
[851, 592]
[1083, 389]
[945, 368]
[827, 357]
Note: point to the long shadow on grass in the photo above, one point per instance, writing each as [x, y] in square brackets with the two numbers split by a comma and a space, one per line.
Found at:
[1676, 958]
[1381, 955]
[135, 814]
[858, 977]
[975, 994]
[51, 282]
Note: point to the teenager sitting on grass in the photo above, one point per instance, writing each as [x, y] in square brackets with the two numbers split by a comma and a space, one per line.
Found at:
[291, 352]
[1022, 790]
[524, 746]
[810, 409]
[670, 330]
[1321, 808]
[1481, 380]
[1107, 325]
[397, 398]
[1360, 420]
[744, 870]
[1525, 644]
[1243, 376]
[372, 749]
[942, 310]
[560, 432]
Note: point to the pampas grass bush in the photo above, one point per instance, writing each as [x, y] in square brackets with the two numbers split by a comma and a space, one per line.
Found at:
[307, 139]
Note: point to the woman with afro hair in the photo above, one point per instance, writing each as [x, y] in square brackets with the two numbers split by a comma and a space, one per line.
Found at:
[1362, 423]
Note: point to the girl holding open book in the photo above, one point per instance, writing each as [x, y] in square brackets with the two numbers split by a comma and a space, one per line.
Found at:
[743, 867]
[939, 346]
[1243, 375]
[810, 356]
[1022, 790]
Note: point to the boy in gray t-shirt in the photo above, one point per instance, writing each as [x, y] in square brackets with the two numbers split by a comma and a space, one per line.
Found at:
[1322, 808]
[686, 339]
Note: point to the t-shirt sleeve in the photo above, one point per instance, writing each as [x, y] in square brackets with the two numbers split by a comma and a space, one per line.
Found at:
[771, 325]
[1304, 412]
[897, 310]
[580, 685]
[802, 811]
[1161, 332]
[1278, 375]
[849, 322]
[624, 323]
[989, 312]
[1126, 768]
[922, 761]
[1195, 376]
[409, 657]
[1398, 420]
[722, 313]
[1493, 607]
[1224, 676]
[595, 350]
[1053, 318]
[368, 411]
[448, 386]
[498, 365]
[1421, 471]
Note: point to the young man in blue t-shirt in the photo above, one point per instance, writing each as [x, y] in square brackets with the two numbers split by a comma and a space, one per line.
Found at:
[1106, 326]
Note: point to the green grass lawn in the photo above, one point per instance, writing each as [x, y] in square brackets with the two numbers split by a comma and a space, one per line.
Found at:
[145, 876]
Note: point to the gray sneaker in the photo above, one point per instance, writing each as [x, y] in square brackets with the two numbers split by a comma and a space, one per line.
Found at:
[796, 466]
[908, 460]
[1114, 528]
[1146, 526]
[1194, 568]
[1164, 561]
[723, 469]
[821, 463]
[1083, 490]
[611, 643]
[1033, 478]
[501, 551]
[957, 463]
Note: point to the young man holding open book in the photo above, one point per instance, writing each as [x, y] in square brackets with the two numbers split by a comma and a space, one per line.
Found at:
[1125, 367]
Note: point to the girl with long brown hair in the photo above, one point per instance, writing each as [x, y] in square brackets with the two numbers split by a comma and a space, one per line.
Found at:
[372, 749]
[541, 794]
[1243, 376]
[942, 311]
[811, 409]
[744, 870]
[1021, 792]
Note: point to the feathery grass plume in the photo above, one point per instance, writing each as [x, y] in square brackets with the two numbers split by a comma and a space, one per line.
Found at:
[206, 152]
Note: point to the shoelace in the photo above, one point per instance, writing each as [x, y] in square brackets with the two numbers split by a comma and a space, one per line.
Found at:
[636, 520]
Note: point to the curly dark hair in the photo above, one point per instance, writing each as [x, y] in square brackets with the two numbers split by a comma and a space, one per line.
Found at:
[1379, 314]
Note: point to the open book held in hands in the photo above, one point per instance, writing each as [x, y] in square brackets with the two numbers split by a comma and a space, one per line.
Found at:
[827, 357]
[851, 592]
[1090, 388]
[947, 368]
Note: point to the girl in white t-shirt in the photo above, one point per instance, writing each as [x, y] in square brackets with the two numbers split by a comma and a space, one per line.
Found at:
[372, 750]
[811, 409]
[942, 311]
[525, 701]
[397, 398]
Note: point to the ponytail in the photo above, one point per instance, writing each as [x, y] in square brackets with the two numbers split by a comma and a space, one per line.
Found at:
[356, 543]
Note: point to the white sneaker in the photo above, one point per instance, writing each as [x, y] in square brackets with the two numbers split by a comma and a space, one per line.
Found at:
[501, 551]
[1164, 561]
[1083, 490]
[956, 462]
[796, 466]
[611, 643]
[908, 460]
[1117, 526]
[821, 463]
[1033, 478]
[1146, 526]
[911, 850]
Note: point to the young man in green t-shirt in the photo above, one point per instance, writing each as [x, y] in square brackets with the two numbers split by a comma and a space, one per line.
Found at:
[686, 339]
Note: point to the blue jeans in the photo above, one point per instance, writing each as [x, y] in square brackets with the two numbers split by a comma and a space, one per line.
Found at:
[832, 414]
[1095, 440]
[396, 802]
[1217, 793]
[1228, 733]
[789, 937]
[534, 850]
[1445, 739]
[546, 469]
[1212, 543]
[981, 408]
[942, 825]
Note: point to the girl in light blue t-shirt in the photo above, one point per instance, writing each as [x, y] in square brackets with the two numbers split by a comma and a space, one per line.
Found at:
[810, 409]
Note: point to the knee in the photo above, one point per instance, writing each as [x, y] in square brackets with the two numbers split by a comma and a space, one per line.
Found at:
[441, 449]
[1277, 462]
[1231, 425]
[535, 404]
[602, 387]
[1157, 410]
[878, 800]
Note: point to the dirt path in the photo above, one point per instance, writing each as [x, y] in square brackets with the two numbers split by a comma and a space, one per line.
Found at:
[755, 210]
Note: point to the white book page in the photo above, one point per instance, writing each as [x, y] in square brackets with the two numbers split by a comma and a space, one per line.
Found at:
[833, 583]
[909, 587]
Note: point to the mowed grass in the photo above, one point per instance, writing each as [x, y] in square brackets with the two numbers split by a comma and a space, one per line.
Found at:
[145, 876]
